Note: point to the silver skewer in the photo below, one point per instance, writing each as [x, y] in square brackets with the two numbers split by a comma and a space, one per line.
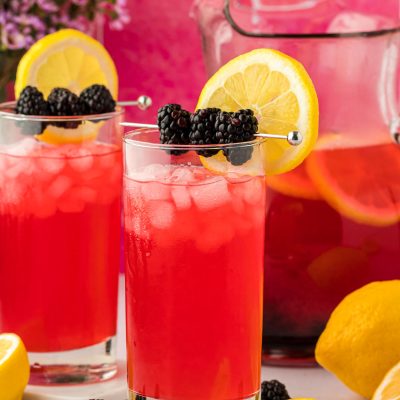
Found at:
[143, 102]
[294, 137]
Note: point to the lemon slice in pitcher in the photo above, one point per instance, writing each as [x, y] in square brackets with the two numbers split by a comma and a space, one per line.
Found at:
[281, 94]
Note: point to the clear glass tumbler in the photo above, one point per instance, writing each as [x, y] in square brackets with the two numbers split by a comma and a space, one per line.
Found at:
[194, 237]
[60, 208]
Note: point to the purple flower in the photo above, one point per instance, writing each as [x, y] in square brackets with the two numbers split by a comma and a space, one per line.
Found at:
[81, 3]
[122, 13]
[48, 5]
[21, 6]
[23, 22]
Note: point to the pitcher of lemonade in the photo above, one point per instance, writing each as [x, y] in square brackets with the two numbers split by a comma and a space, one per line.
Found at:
[333, 224]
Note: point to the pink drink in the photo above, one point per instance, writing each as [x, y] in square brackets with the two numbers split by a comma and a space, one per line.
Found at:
[323, 244]
[194, 249]
[59, 247]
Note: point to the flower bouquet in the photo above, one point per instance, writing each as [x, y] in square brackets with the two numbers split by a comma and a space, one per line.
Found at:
[23, 22]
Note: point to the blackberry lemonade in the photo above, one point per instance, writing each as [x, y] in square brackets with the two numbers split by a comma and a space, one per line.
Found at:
[60, 207]
[194, 274]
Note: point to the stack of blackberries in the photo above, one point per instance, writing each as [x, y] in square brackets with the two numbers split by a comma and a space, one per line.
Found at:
[209, 126]
[95, 99]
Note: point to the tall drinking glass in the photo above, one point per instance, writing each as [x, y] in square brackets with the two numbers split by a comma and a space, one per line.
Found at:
[60, 208]
[194, 235]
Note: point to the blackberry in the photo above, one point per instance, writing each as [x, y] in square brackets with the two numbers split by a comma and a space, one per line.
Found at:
[236, 127]
[97, 99]
[32, 102]
[203, 129]
[63, 102]
[273, 390]
[174, 125]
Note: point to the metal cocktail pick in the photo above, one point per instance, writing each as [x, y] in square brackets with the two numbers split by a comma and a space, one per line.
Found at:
[294, 137]
[142, 102]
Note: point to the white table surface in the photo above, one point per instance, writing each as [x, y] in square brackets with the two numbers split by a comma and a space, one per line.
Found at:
[301, 382]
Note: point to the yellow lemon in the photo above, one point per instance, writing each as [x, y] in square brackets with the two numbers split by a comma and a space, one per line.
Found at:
[85, 132]
[281, 94]
[389, 389]
[14, 367]
[69, 59]
[361, 340]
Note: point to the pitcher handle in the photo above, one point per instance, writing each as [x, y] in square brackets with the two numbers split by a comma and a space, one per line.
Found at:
[323, 35]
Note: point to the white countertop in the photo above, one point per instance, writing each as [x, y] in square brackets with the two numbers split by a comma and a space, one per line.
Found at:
[301, 382]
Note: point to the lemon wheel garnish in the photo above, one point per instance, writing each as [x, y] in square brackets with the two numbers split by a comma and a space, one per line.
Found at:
[72, 60]
[14, 367]
[281, 94]
[69, 59]
[389, 389]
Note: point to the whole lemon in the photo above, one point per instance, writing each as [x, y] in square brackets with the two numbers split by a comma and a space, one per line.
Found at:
[361, 341]
[14, 367]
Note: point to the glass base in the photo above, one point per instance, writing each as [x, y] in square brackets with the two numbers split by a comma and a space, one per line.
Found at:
[87, 365]
[289, 352]
[137, 396]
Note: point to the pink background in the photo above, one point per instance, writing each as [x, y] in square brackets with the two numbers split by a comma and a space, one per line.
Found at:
[158, 54]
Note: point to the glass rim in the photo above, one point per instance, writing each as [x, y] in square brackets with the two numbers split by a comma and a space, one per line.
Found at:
[7, 107]
[323, 35]
[129, 139]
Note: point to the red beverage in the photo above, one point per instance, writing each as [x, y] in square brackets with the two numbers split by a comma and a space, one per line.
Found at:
[333, 225]
[59, 247]
[194, 251]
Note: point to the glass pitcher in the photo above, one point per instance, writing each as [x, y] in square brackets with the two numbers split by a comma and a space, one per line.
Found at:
[333, 224]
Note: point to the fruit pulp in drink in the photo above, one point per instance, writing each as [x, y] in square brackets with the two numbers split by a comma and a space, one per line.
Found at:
[332, 226]
[59, 247]
[194, 254]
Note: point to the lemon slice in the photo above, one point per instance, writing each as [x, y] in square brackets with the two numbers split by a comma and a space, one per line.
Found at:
[72, 60]
[281, 94]
[389, 389]
[68, 59]
[86, 132]
[14, 367]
